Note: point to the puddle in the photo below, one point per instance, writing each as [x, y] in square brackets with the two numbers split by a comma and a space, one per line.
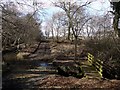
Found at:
[43, 64]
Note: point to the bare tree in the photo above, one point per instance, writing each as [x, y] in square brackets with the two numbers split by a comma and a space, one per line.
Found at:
[49, 28]
[75, 15]
[56, 25]
[70, 9]
[18, 28]
[116, 12]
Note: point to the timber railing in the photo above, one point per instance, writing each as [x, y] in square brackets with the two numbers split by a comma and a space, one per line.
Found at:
[96, 63]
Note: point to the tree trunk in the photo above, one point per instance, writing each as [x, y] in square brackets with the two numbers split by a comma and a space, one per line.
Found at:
[115, 24]
[68, 32]
[75, 44]
[52, 34]
[57, 34]
[75, 48]
[70, 23]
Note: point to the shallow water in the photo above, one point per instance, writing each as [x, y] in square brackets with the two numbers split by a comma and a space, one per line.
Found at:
[25, 77]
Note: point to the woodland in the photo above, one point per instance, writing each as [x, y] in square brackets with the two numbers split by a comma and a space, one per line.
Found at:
[74, 49]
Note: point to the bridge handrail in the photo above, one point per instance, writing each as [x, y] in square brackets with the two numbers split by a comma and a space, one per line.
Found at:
[98, 64]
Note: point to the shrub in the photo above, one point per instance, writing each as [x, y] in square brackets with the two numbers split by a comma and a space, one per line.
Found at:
[106, 49]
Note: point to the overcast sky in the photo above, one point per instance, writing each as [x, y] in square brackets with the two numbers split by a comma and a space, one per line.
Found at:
[97, 6]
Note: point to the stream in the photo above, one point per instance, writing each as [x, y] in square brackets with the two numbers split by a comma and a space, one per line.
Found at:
[22, 77]
[24, 74]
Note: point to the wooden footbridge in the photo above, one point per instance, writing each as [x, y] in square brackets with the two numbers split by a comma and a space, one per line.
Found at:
[92, 67]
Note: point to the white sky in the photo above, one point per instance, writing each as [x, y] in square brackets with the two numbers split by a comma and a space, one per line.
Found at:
[97, 7]
[100, 6]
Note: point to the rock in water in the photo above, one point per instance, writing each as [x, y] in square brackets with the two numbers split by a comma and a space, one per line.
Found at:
[69, 70]
[62, 72]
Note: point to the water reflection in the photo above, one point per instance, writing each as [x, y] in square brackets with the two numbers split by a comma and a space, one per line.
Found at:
[44, 64]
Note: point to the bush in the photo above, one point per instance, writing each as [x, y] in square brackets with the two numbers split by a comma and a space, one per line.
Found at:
[106, 49]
